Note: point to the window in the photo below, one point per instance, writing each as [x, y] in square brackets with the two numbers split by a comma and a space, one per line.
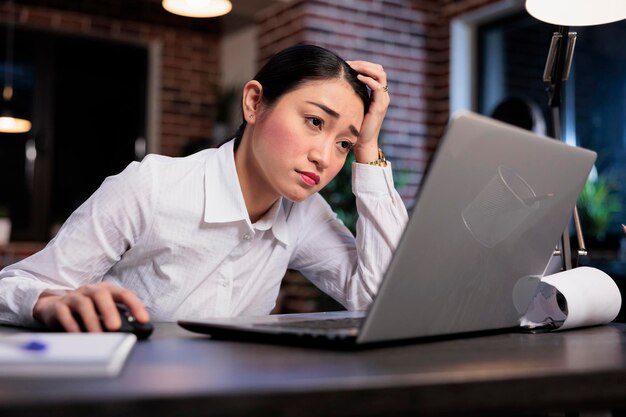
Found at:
[87, 100]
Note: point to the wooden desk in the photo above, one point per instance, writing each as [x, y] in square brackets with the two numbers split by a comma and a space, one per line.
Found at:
[177, 373]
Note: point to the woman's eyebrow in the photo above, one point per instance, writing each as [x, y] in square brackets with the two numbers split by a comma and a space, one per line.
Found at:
[327, 109]
[335, 115]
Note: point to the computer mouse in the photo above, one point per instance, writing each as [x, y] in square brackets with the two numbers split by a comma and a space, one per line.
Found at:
[129, 324]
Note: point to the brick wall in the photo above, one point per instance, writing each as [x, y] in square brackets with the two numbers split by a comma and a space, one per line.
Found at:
[189, 63]
[438, 93]
[392, 33]
[410, 38]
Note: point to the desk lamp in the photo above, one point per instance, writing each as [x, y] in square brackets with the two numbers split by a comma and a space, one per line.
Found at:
[566, 13]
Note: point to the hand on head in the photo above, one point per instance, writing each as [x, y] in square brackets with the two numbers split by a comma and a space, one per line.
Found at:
[89, 304]
[374, 76]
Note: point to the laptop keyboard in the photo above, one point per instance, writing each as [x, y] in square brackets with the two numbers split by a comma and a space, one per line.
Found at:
[323, 324]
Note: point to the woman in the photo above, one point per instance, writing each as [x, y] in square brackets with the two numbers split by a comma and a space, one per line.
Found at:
[212, 234]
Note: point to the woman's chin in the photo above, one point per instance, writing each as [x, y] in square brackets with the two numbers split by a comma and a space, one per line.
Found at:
[299, 195]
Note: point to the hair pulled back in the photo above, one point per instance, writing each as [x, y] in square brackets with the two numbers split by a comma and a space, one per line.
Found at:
[296, 65]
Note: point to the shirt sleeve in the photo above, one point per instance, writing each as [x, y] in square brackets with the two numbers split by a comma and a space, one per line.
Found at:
[347, 268]
[92, 239]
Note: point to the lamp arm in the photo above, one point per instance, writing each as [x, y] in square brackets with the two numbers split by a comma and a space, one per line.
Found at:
[557, 70]
[559, 63]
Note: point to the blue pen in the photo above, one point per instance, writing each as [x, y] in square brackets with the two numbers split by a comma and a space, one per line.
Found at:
[34, 346]
[31, 345]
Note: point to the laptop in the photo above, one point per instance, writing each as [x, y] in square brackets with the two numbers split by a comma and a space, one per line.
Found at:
[492, 207]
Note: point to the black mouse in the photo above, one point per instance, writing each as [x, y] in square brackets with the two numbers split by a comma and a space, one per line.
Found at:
[129, 324]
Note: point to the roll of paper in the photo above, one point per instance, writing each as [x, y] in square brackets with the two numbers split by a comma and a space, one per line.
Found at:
[579, 297]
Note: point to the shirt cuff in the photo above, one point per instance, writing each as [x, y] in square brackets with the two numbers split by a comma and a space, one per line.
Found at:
[372, 179]
[20, 297]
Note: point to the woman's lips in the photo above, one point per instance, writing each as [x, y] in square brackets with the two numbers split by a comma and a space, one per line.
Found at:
[309, 178]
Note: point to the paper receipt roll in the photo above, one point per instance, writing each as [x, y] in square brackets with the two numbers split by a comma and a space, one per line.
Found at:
[579, 297]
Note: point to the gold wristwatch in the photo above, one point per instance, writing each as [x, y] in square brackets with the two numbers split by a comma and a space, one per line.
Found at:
[381, 161]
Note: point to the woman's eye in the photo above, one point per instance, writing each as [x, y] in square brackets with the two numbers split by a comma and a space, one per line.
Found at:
[315, 122]
[346, 145]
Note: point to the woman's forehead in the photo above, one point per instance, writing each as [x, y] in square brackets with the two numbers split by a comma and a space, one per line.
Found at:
[335, 91]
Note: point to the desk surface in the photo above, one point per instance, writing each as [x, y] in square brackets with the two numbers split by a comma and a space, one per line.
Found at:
[180, 373]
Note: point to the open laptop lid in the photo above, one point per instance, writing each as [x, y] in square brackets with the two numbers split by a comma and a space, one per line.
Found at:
[489, 214]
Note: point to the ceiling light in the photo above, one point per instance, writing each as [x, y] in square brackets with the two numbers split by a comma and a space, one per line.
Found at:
[198, 8]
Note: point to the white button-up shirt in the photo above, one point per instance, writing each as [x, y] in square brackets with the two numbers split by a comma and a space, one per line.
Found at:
[176, 231]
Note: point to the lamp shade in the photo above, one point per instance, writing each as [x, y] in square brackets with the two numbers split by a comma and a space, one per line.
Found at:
[198, 8]
[577, 12]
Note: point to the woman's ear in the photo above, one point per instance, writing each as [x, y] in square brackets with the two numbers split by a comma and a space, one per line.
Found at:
[251, 100]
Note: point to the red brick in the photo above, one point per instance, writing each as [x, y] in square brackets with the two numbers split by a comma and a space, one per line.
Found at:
[72, 22]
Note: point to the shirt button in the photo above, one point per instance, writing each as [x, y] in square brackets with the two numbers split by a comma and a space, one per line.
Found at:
[247, 236]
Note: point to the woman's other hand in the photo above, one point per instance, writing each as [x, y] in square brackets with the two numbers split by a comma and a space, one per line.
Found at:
[374, 76]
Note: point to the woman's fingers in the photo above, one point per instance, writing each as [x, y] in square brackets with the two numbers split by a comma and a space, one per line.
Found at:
[89, 305]
[371, 69]
[103, 298]
[130, 300]
[374, 76]
[82, 305]
[61, 316]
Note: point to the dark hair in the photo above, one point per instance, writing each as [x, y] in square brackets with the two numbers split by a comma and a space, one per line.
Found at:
[298, 64]
[521, 112]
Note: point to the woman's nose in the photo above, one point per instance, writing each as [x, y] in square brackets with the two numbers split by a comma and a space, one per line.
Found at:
[321, 154]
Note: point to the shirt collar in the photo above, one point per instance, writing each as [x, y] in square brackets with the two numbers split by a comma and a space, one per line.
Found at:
[276, 220]
[223, 200]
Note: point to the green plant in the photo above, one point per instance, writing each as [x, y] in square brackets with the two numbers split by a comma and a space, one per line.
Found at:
[598, 202]
[339, 195]
[4, 212]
